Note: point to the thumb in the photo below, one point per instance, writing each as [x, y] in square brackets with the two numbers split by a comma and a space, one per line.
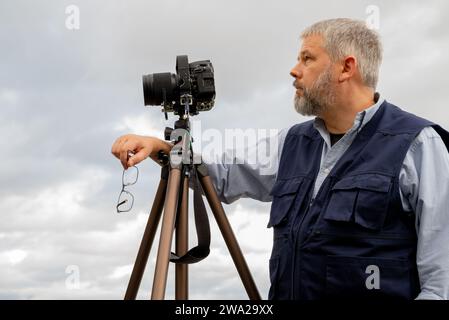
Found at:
[138, 157]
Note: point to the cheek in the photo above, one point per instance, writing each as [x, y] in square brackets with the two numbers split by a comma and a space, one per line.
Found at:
[310, 77]
[307, 79]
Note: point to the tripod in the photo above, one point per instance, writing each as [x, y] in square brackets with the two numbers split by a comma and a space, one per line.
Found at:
[172, 194]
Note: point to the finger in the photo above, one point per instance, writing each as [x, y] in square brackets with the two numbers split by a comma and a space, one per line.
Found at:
[138, 157]
[124, 148]
[116, 146]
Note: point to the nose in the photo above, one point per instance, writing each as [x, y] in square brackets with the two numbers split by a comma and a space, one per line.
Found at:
[296, 72]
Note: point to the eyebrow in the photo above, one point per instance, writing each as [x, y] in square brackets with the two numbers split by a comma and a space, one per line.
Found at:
[302, 53]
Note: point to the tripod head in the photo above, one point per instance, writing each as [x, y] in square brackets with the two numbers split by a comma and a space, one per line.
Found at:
[182, 152]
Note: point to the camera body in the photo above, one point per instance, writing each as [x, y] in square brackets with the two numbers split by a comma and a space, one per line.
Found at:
[189, 91]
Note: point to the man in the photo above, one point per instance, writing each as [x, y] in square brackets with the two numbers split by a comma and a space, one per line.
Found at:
[361, 193]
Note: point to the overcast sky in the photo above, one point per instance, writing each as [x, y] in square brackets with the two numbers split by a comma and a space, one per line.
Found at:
[66, 95]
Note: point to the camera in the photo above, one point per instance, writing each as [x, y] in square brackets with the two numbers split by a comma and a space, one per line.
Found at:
[189, 91]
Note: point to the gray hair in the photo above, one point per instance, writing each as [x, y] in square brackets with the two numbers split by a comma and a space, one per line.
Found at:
[344, 37]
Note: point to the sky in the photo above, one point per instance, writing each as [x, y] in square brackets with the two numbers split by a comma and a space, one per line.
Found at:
[67, 93]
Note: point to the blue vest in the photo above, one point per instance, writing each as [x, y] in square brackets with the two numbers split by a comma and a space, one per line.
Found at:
[353, 240]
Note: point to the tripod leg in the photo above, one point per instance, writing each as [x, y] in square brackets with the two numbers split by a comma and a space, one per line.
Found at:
[228, 235]
[182, 240]
[148, 237]
[168, 224]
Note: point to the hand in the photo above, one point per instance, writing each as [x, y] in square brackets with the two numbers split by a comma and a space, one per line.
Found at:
[132, 149]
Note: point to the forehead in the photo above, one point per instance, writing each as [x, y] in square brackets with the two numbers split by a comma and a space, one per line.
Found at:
[312, 44]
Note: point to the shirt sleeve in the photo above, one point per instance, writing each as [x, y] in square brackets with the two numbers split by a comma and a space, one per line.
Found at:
[424, 189]
[248, 172]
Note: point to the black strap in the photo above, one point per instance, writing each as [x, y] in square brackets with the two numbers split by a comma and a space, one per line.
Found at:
[202, 250]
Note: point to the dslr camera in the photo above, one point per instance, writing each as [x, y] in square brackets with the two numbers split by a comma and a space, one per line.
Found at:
[185, 93]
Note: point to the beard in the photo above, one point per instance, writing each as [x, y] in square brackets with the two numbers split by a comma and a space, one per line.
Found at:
[318, 98]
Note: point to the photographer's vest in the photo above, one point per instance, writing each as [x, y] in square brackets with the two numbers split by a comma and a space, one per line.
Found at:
[353, 240]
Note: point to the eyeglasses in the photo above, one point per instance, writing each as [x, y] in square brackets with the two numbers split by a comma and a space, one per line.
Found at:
[126, 199]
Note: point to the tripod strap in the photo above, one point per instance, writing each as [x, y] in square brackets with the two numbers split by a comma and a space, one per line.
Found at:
[202, 250]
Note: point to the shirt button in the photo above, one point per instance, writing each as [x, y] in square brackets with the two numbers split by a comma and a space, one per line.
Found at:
[326, 171]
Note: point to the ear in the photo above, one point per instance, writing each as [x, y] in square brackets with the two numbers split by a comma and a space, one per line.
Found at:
[348, 68]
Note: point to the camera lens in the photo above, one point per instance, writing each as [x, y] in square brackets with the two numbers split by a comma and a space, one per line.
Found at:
[154, 86]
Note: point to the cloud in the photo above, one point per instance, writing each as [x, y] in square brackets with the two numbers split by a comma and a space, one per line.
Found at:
[8, 97]
[65, 96]
[13, 257]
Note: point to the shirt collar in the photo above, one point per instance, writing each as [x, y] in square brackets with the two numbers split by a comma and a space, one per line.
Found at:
[361, 119]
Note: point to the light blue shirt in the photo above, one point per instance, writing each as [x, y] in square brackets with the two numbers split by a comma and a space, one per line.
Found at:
[423, 182]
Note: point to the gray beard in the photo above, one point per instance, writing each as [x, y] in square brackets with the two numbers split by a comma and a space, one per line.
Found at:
[317, 99]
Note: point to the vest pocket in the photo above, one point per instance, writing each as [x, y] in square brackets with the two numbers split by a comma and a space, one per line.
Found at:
[363, 277]
[362, 199]
[284, 193]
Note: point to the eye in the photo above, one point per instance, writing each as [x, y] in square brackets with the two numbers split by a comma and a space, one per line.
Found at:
[306, 58]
